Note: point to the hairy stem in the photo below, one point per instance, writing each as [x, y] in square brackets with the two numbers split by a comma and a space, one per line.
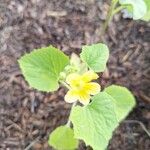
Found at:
[68, 124]
[109, 16]
[118, 9]
[65, 84]
[68, 87]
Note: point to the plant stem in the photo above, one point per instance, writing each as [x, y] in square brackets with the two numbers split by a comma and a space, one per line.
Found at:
[65, 84]
[68, 124]
[109, 16]
[118, 9]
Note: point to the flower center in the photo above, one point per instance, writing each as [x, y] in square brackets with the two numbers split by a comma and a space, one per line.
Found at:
[79, 85]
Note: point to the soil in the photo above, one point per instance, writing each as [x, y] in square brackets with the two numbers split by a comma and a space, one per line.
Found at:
[27, 116]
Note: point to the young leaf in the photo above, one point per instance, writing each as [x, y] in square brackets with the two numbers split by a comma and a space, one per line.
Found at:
[137, 7]
[95, 56]
[124, 100]
[62, 138]
[147, 15]
[76, 62]
[95, 122]
[41, 67]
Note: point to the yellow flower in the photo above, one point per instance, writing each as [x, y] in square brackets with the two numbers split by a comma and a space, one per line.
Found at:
[81, 87]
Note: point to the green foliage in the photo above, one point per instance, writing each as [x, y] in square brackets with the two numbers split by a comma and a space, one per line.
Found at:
[95, 122]
[95, 56]
[41, 68]
[62, 138]
[136, 7]
[147, 15]
[124, 100]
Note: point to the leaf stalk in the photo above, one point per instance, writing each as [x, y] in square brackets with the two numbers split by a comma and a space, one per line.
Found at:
[68, 124]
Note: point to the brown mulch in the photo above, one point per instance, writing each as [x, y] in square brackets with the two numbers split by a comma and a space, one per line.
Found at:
[27, 116]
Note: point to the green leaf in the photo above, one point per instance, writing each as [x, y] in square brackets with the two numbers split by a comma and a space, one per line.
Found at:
[147, 15]
[95, 56]
[137, 7]
[41, 68]
[124, 100]
[95, 122]
[62, 138]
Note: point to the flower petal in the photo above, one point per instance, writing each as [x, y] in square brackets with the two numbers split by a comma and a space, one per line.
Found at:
[92, 88]
[71, 78]
[89, 76]
[84, 97]
[71, 96]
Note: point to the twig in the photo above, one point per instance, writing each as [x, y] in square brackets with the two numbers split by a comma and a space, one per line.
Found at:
[14, 125]
[144, 97]
[32, 102]
[127, 55]
[140, 123]
[56, 13]
[32, 143]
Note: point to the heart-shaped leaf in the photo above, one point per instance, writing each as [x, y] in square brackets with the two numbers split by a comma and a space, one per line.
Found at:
[124, 100]
[41, 68]
[62, 138]
[95, 123]
[95, 56]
